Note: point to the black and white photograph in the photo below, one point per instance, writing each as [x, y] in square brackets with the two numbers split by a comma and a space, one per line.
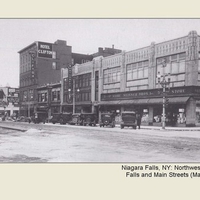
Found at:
[90, 90]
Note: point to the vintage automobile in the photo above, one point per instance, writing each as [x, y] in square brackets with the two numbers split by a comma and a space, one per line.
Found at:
[76, 119]
[89, 119]
[107, 119]
[62, 118]
[39, 117]
[128, 119]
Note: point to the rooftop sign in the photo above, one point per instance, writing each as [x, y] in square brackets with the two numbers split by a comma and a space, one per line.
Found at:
[45, 50]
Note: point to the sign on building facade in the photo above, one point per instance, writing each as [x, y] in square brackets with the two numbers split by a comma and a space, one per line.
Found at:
[45, 50]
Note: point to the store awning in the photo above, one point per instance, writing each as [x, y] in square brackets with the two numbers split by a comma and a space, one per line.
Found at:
[172, 100]
[178, 100]
[108, 102]
[125, 102]
[155, 101]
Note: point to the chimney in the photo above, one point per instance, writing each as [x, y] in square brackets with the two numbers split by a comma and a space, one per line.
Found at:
[100, 49]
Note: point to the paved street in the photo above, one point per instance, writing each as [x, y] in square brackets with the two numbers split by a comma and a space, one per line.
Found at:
[67, 143]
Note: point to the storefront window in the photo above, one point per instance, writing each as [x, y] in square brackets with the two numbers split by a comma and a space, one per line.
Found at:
[145, 116]
[157, 114]
[198, 113]
[181, 118]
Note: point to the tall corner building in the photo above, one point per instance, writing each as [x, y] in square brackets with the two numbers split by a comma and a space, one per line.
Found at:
[40, 65]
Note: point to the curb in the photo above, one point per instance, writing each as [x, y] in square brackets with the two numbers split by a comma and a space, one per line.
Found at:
[118, 126]
[166, 129]
[15, 129]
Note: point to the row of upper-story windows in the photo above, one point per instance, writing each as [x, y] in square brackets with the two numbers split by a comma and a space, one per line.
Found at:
[174, 64]
[27, 67]
[25, 62]
[82, 81]
[181, 44]
[26, 57]
[27, 95]
[112, 61]
[83, 96]
[137, 70]
[28, 81]
[111, 75]
[25, 82]
[43, 95]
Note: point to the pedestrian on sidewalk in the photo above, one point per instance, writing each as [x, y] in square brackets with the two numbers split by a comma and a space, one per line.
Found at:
[138, 119]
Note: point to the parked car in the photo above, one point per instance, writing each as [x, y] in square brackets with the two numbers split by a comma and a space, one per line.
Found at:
[89, 119]
[107, 119]
[40, 117]
[61, 118]
[128, 119]
[76, 119]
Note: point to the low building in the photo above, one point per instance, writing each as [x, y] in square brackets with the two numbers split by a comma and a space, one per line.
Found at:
[49, 99]
[9, 101]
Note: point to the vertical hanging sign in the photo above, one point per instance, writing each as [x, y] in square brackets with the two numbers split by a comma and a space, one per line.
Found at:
[70, 86]
[33, 67]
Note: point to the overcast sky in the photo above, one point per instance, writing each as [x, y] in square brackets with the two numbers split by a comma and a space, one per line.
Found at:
[84, 35]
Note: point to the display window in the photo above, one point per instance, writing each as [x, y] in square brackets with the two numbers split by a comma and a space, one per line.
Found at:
[157, 114]
[145, 115]
[181, 117]
[198, 113]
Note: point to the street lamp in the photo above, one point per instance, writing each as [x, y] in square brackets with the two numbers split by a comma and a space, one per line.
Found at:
[73, 95]
[49, 87]
[26, 103]
[164, 83]
[29, 104]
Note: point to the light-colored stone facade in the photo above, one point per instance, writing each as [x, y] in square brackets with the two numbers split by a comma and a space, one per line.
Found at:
[136, 70]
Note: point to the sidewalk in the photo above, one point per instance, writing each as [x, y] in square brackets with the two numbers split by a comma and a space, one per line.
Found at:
[16, 126]
[169, 128]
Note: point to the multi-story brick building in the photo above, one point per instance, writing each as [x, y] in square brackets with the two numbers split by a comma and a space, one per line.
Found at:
[128, 81]
[40, 64]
